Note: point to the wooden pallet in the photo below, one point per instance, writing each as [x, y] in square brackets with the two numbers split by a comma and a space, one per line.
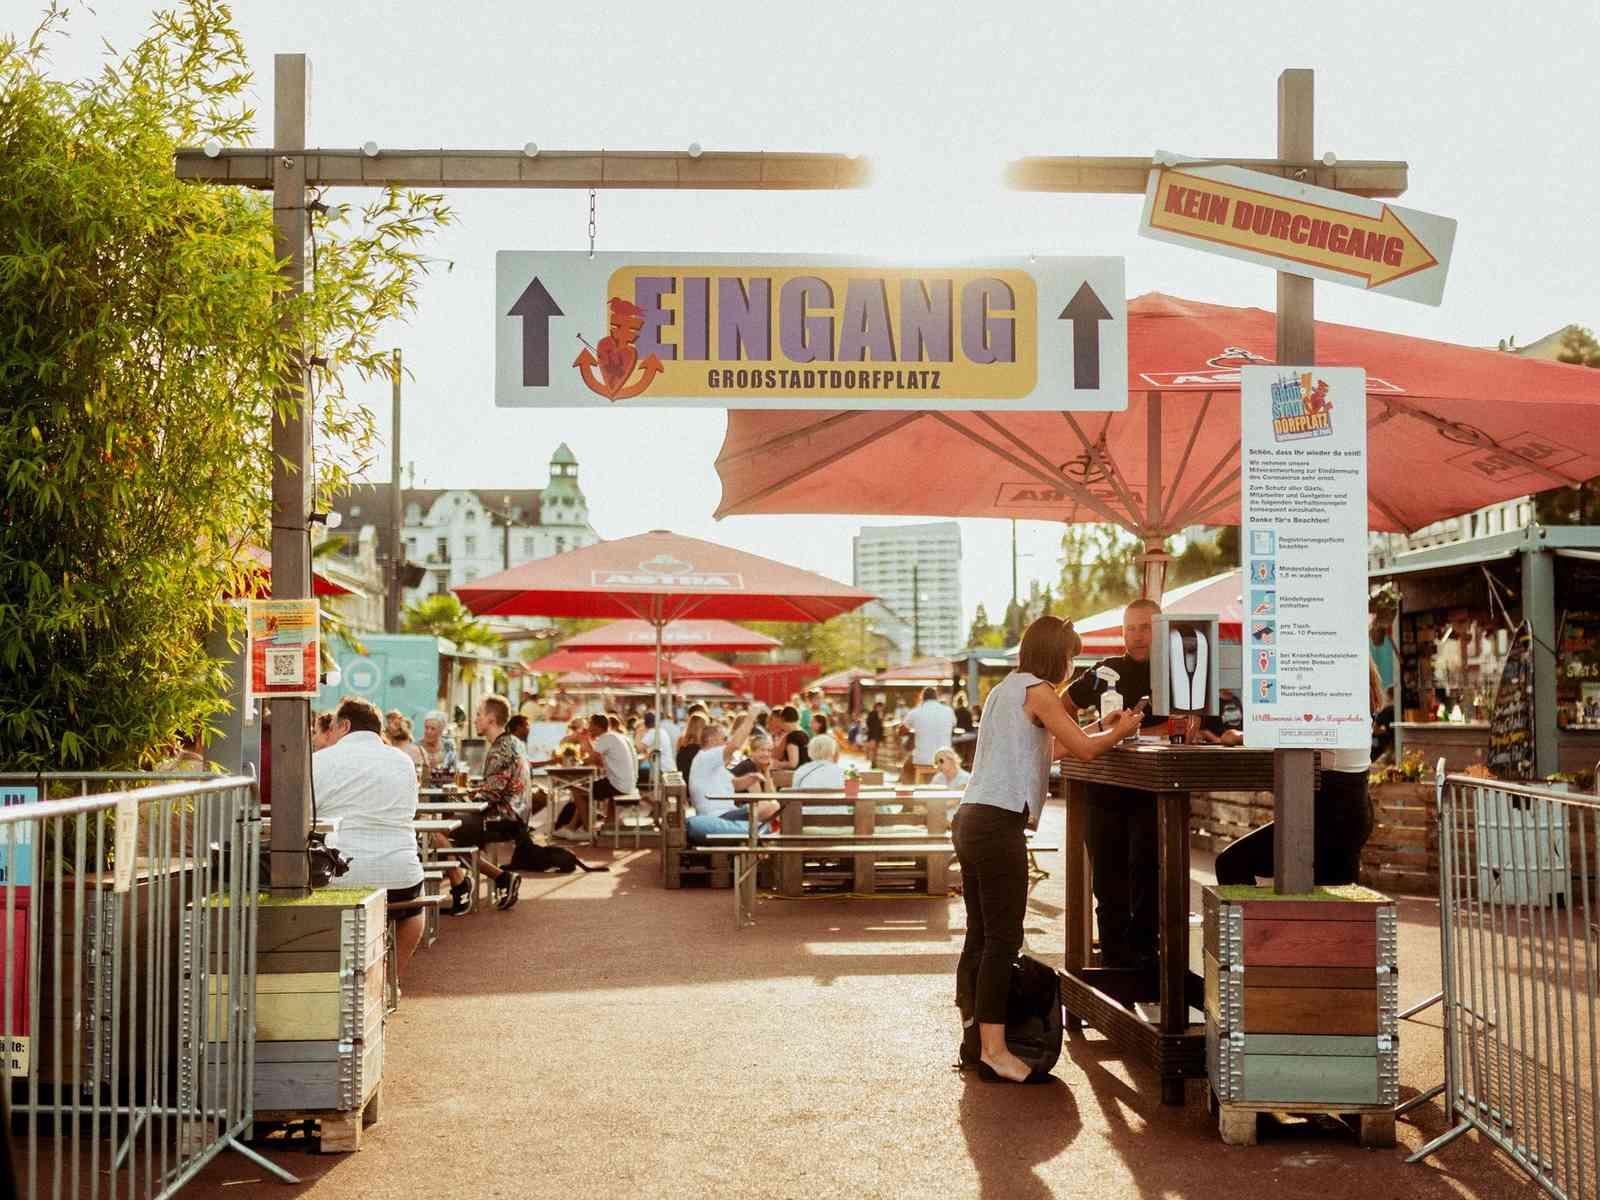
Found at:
[1373, 1124]
[339, 1132]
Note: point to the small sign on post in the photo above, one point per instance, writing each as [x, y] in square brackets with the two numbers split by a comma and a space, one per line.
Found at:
[1303, 504]
[791, 331]
[285, 648]
[1299, 229]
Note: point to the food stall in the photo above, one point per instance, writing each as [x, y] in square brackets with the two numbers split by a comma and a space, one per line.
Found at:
[1460, 606]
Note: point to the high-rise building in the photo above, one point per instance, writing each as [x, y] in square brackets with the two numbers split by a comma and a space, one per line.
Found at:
[916, 571]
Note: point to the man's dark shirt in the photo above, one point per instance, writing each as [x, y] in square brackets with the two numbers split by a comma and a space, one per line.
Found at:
[874, 727]
[1133, 683]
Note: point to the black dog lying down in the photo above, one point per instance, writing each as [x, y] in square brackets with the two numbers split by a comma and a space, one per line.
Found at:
[530, 856]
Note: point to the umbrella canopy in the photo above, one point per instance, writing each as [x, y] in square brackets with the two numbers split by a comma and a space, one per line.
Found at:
[924, 672]
[839, 682]
[1452, 428]
[1102, 633]
[630, 664]
[660, 577]
[680, 635]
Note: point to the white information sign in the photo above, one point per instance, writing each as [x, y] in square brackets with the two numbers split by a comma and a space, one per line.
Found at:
[799, 331]
[1303, 482]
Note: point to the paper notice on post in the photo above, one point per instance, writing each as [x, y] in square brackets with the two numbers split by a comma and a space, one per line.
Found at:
[1303, 503]
[127, 843]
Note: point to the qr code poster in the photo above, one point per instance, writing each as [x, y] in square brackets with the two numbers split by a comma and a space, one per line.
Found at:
[285, 647]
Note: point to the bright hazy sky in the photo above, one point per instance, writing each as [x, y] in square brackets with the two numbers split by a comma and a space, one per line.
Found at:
[1491, 107]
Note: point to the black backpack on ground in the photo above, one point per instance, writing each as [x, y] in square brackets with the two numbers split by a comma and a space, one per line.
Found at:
[1033, 1019]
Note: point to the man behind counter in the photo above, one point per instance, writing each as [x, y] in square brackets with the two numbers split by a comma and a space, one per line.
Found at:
[1121, 834]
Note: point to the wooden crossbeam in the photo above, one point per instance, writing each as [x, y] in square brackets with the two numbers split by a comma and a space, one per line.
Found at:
[652, 169]
[1129, 175]
[719, 170]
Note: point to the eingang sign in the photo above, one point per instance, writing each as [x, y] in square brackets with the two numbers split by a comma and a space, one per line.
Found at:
[789, 331]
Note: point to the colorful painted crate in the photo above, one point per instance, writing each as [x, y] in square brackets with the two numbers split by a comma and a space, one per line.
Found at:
[1301, 997]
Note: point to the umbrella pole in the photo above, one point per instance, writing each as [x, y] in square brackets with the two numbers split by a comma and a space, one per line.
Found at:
[658, 766]
[1153, 567]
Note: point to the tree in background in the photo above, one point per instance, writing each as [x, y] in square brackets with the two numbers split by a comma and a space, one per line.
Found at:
[1100, 566]
[445, 616]
[1572, 505]
[143, 333]
[983, 633]
[848, 640]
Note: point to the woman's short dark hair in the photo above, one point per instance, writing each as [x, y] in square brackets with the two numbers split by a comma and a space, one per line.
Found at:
[790, 715]
[1048, 648]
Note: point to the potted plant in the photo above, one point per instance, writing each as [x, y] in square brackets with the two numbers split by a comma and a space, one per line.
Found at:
[852, 782]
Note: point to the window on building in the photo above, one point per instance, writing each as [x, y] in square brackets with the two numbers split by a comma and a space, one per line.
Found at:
[411, 547]
[472, 545]
[413, 515]
[527, 547]
[561, 545]
[472, 516]
[441, 549]
[471, 574]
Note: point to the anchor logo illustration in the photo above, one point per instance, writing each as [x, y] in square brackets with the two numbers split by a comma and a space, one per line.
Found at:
[617, 356]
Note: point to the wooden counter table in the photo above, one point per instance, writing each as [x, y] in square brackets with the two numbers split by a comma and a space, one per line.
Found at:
[1103, 997]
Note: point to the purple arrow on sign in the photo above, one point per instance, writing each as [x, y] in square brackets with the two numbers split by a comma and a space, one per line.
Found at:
[535, 306]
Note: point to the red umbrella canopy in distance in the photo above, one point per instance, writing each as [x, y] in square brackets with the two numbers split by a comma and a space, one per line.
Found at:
[688, 634]
[1450, 429]
[630, 664]
[660, 577]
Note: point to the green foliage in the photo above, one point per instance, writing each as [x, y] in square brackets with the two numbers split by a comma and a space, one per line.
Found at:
[1100, 566]
[983, 633]
[845, 641]
[445, 616]
[144, 337]
[1572, 505]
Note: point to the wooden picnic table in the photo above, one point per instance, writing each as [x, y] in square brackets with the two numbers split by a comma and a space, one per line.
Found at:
[441, 807]
[1105, 997]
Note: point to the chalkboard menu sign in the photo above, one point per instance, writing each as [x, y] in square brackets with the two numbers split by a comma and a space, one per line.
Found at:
[1511, 724]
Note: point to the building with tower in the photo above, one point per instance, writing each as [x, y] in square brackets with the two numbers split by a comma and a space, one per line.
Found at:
[457, 535]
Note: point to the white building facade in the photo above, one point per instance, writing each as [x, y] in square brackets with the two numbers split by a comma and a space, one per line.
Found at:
[459, 535]
[916, 571]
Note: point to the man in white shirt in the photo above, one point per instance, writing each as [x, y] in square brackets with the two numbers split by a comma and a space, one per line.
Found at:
[370, 791]
[933, 724]
[711, 775]
[611, 751]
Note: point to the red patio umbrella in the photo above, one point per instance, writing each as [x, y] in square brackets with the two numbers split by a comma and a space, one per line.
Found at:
[1452, 428]
[629, 664]
[661, 577]
[261, 577]
[680, 635]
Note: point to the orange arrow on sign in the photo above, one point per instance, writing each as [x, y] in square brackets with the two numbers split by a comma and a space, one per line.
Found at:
[1378, 249]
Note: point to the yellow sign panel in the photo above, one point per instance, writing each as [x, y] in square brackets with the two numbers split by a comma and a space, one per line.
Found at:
[816, 330]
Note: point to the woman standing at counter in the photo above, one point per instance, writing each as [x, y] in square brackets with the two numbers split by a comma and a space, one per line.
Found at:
[1024, 725]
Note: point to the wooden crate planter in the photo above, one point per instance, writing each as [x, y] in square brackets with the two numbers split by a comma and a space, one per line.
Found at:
[1403, 852]
[1302, 1006]
[319, 1012]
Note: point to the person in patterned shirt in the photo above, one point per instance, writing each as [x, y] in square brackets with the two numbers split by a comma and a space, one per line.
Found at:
[505, 790]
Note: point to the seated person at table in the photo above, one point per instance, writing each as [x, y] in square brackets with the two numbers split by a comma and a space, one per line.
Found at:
[505, 791]
[1121, 831]
[822, 772]
[370, 791]
[947, 772]
[759, 764]
[711, 776]
[607, 747]
[689, 742]
[791, 743]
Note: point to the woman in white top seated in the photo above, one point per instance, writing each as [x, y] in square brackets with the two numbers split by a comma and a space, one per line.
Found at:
[823, 772]
[1024, 726]
[947, 770]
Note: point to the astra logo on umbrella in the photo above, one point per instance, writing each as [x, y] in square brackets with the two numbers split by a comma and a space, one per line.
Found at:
[617, 356]
[668, 571]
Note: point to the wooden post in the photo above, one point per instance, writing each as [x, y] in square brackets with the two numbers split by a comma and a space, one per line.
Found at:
[396, 562]
[291, 475]
[1293, 770]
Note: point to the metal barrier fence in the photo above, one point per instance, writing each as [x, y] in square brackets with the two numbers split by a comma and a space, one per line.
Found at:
[128, 977]
[1520, 959]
